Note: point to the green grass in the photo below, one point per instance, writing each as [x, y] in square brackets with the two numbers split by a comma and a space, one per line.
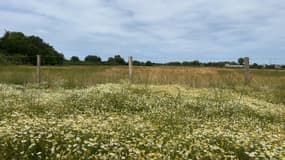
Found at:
[122, 121]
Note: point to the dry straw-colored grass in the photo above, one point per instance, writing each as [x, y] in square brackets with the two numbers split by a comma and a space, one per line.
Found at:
[82, 76]
[270, 84]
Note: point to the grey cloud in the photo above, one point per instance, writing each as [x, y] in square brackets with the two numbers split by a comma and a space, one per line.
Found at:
[161, 29]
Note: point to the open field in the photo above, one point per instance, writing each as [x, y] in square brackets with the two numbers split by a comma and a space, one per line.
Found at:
[82, 76]
[268, 84]
[91, 112]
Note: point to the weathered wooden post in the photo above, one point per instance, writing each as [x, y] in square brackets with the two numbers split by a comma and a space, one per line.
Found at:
[38, 69]
[247, 71]
[130, 69]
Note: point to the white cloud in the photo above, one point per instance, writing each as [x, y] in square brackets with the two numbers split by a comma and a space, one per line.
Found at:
[160, 29]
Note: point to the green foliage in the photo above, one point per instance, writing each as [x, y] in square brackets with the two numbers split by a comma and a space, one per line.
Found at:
[138, 63]
[148, 63]
[92, 59]
[193, 63]
[241, 61]
[116, 60]
[255, 65]
[174, 63]
[75, 59]
[3, 59]
[22, 49]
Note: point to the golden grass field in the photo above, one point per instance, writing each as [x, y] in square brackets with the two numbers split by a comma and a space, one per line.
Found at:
[82, 76]
[269, 84]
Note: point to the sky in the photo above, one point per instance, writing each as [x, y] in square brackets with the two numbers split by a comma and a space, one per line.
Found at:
[156, 30]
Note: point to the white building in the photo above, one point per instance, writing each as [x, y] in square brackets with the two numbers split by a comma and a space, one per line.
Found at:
[234, 66]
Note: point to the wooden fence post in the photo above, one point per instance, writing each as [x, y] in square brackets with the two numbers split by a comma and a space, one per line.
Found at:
[247, 71]
[38, 69]
[130, 69]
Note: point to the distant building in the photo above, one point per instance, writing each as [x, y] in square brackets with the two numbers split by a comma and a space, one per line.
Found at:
[277, 66]
[233, 66]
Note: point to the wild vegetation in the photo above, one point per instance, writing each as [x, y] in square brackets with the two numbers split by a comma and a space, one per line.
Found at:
[267, 84]
[123, 121]
[171, 111]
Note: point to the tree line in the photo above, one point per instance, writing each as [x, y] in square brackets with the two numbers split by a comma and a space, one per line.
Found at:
[96, 60]
[118, 60]
[17, 48]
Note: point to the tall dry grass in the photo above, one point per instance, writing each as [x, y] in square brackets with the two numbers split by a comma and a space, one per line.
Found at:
[269, 83]
[82, 76]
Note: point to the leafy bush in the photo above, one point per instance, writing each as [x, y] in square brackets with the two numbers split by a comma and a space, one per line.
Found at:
[2, 59]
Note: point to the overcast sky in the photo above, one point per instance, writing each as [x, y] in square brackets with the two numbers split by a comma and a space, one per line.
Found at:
[157, 30]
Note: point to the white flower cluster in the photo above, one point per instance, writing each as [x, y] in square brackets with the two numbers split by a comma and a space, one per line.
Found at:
[121, 121]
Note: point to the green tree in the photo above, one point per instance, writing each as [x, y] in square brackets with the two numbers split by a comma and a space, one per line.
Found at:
[173, 63]
[148, 63]
[241, 61]
[17, 44]
[2, 59]
[92, 59]
[191, 63]
[138, 63]
[74, 59]
[116, 60]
